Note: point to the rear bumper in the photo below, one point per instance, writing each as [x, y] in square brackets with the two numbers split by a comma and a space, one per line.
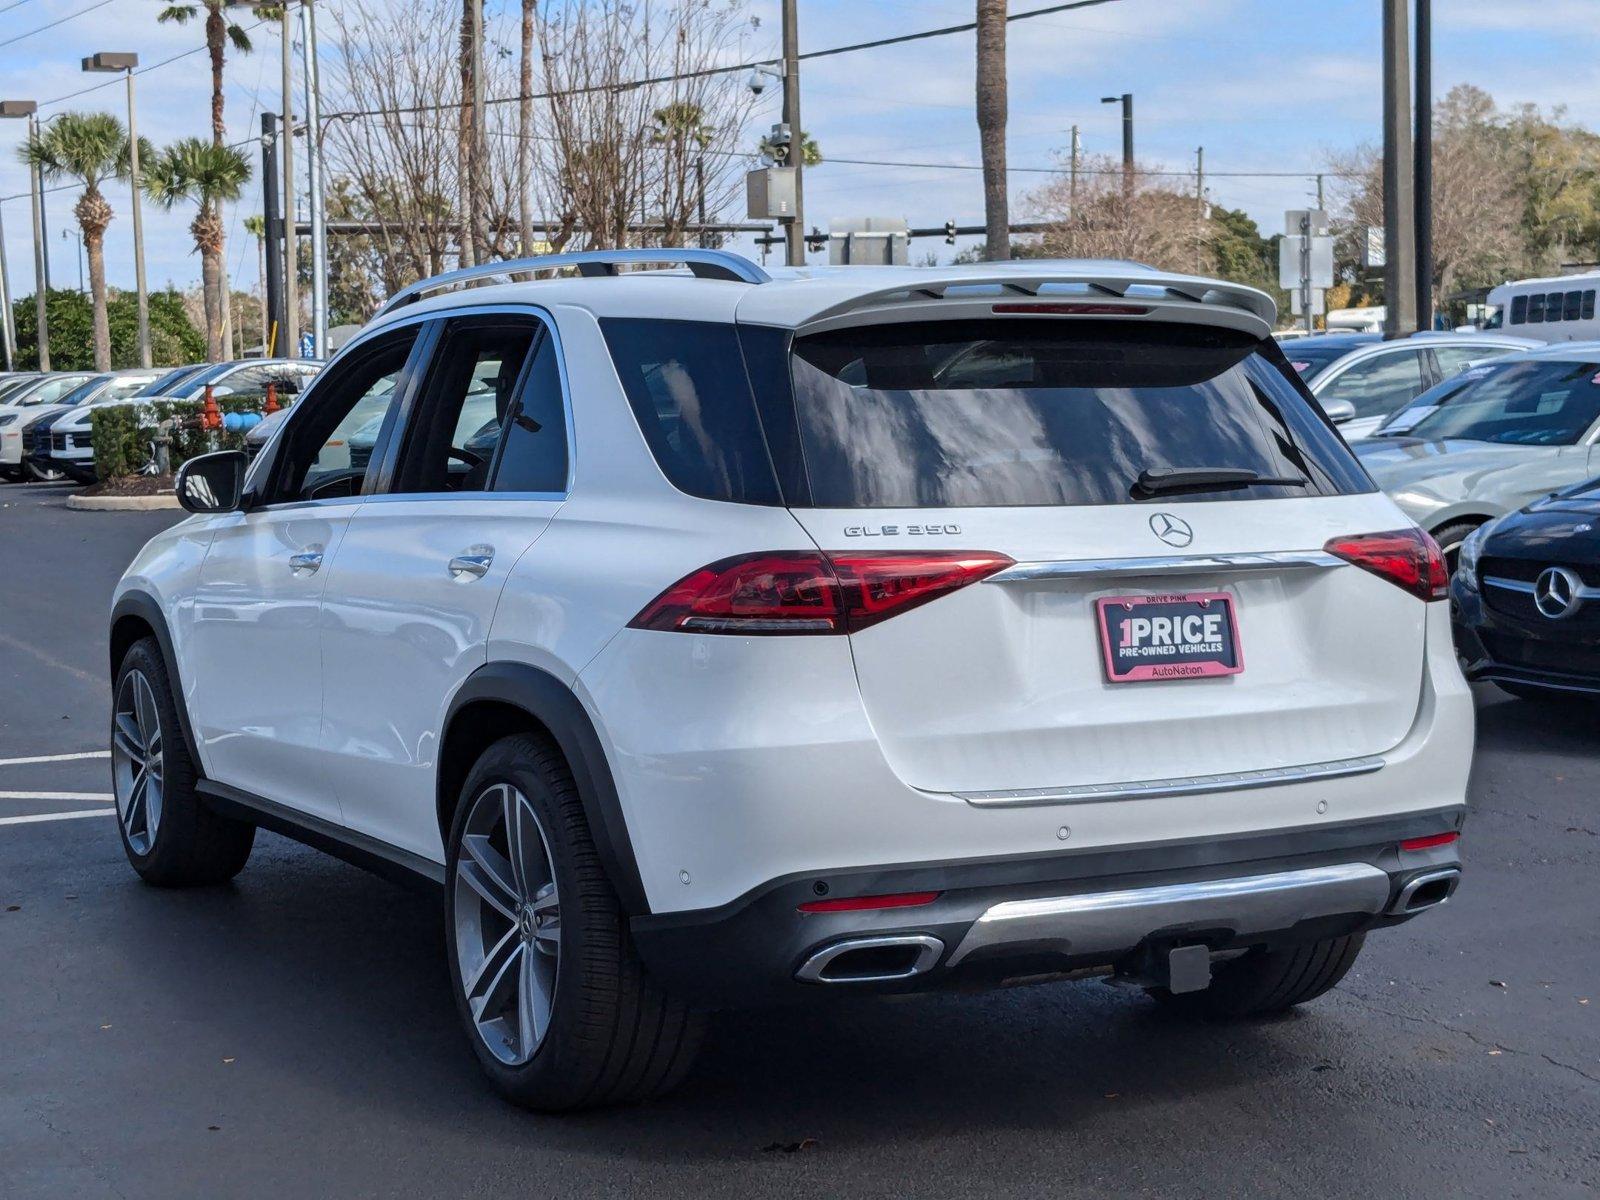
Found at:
[997, 922]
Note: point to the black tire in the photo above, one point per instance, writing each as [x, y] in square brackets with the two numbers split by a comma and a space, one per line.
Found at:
[612, 1035]
[191, 845]
[1450, 538]
[1264, 982]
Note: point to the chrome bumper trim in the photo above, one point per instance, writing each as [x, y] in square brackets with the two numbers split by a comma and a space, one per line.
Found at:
[1168, 564]
[1193, 785]
[1112, 923]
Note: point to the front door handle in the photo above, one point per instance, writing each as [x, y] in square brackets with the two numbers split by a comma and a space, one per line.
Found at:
[473, 564]
[305, 563]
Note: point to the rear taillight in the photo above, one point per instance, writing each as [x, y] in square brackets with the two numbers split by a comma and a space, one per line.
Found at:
[1407, 558]
[1430, 841]
[871, 903]
[809, 592]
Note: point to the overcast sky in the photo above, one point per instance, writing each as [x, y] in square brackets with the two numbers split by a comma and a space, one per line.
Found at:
[1263, 85]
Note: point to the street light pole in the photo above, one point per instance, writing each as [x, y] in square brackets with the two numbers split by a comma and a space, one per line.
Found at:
[1126, 100]
[1424, 164]
[319, 231]
[8, 335]
[795, 230]
[127, 63]
[290, 333]
[41, 273]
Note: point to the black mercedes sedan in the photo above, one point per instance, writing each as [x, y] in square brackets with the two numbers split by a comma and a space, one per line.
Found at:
[1525, 599]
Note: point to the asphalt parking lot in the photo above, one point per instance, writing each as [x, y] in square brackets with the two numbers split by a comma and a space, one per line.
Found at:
[292, 1034]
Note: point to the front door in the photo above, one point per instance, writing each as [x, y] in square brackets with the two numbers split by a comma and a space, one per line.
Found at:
[481, 469]
[257, 665]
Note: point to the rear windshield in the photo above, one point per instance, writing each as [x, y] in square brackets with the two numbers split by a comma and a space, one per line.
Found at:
[1528, 403]
[999, 413]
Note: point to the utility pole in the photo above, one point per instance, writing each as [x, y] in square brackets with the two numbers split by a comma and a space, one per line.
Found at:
[1424, 164]
[1075, 149]
[272, 217]
[1199, 208]
[795, 230]
[1399, 208]
[319, 230]
[289, 335]
[476, 215]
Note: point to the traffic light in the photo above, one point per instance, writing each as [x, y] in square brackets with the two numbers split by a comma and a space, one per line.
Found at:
[949, 233]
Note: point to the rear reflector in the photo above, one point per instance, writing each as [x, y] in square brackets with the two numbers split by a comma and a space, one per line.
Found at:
[1429, 842]
[1407, 558]
[866, 903]
[807, 592]
[1074, 310]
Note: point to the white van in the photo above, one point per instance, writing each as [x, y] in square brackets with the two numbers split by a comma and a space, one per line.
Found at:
[1560, 309]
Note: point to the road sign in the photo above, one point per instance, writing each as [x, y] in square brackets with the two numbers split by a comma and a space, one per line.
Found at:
[1291, 263]
[1372, 247]
[1319, 304]
[1316, 218]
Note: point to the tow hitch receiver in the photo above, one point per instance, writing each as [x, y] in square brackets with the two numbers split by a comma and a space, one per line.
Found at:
[1188, 969]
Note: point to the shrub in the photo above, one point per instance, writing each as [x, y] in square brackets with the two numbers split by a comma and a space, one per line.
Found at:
[124, 434]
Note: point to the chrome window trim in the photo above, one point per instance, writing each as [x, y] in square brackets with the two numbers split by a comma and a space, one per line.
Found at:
[1169, 564]
[1582, 592]
[1194, 785]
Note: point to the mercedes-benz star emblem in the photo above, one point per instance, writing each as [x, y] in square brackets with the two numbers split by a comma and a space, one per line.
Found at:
[1174, 531]
[1556, 593]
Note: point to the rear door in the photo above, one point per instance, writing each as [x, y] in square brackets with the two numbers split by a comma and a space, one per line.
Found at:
[476, 474]
[1031, 439]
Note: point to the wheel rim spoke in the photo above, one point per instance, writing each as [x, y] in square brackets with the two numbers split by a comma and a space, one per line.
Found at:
[507, 923]
[137, 762]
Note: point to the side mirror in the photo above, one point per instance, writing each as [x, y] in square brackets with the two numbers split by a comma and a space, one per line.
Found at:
[212, 483]
[1340, 411]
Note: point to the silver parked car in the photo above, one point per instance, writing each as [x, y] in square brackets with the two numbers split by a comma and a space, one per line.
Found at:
[1517, 429]
[1376, 378]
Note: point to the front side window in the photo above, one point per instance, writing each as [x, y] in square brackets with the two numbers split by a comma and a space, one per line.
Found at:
[330, 441]
[998, 413]
[1378, 385]
[1528, 403]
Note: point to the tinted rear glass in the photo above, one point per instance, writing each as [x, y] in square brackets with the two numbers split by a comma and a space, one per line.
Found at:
[997, 413]
[686, 383]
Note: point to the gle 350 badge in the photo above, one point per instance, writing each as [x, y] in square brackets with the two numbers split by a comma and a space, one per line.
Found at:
[1188, 635]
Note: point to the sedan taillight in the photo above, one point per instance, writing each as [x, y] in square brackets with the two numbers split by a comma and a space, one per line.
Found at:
[791, 592]
[1407, 558]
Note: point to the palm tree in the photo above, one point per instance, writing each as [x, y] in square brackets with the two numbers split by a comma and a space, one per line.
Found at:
[220, 31]
[208, 174]
[525, 126]
[991, 101]
[90, 148]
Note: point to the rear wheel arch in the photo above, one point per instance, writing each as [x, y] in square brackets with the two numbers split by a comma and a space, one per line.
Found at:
[505, 698]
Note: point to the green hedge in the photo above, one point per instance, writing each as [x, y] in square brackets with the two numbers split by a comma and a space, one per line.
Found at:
[123, 433]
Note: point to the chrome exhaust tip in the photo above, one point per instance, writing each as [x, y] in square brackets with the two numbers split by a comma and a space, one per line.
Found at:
[1428, 890]
[872, 959]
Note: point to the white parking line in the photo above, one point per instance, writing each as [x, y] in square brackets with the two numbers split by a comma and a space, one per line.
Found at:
[103, 797]
[50, 758]
[34, 818]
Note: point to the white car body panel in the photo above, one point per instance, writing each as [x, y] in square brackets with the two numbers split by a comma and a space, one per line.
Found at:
[739, 760]
[1435, 483]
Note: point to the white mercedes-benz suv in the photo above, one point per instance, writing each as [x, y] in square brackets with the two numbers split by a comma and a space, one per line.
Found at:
[869, 630]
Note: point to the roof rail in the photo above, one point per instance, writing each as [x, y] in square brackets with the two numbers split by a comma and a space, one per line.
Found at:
[703, 264]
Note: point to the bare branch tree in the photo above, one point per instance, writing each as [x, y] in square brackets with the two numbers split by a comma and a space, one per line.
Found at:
[1147, 222]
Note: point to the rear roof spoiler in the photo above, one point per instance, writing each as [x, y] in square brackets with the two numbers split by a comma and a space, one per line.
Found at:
[1044, 279]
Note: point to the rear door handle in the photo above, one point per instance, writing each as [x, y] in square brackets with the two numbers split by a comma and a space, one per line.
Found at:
[305, 563]
[474, 563]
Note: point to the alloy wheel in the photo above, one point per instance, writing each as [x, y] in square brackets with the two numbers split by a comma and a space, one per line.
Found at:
[137, 761]
[507, 917]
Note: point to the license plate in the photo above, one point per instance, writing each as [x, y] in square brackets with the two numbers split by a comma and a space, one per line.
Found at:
[1189, 635]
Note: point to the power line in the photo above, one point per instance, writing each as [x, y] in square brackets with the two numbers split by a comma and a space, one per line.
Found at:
[707, 72]
[155, 66]
[945, 166]
[11, 41]
[14, 4]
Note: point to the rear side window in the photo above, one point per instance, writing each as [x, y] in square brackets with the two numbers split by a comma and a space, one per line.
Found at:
[686, 383]
[997, 413]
